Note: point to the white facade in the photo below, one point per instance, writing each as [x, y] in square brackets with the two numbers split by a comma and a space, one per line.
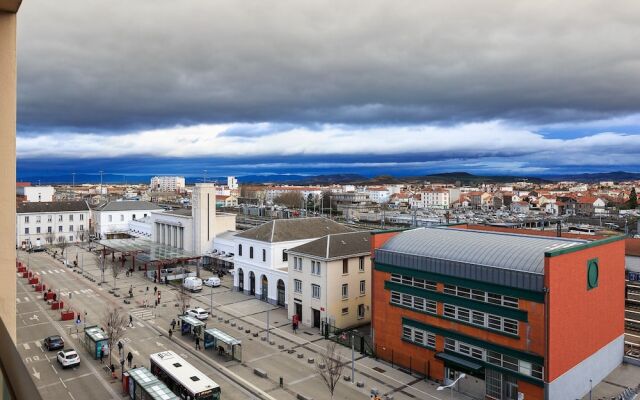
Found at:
[43, 227]
[232, 182]
[36, 193]
[273, 192]
[114, 217]
[172, 229]
[378, 195]
[168, 183]
[141, 228]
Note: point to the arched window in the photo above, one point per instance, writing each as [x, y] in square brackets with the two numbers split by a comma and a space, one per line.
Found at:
[239, 249]
[264, 255]
[251, 252]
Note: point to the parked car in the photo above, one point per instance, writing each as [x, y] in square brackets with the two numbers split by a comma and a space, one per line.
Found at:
[68, 358]
[192, 283]
[199, 313]
[54, 342]
[214, 281]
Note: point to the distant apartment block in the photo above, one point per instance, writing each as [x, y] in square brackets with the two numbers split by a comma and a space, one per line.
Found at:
[35, 193]
[168, 184]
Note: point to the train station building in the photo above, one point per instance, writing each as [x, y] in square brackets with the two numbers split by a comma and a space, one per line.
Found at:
[521, 316]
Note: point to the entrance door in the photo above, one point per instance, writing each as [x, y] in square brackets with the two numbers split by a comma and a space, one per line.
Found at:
[252, 284]
[299, 311]
[316, 318]
[265, 288]
[280, 292]
[240, 280]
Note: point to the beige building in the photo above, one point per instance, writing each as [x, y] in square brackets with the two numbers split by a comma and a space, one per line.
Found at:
[330, 281]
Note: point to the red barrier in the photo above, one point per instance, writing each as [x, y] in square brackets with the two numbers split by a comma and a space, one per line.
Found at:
[30, 274]
[67, 315]
[25, 274]
[57, 305]
[39, 287]
[22, 269]
[48, 296]
[33, 281]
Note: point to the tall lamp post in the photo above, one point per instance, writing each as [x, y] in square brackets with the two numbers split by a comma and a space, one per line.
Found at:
[452, 384]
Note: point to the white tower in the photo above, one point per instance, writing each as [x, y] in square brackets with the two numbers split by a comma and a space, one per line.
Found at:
[232, 182]
[203, 200]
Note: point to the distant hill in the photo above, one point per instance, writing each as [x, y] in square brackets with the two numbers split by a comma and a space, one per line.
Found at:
[615, 176]
[470, 179]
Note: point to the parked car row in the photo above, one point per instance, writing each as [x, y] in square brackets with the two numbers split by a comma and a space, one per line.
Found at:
[65, 357]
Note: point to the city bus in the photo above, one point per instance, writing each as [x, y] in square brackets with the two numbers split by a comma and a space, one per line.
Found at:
[182, 378]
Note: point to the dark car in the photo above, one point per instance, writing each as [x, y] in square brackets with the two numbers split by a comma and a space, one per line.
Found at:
[53, 343]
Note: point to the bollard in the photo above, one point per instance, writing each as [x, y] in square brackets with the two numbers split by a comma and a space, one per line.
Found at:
[281, 382]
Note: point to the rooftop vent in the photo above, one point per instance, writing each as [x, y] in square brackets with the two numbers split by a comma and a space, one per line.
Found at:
[177, 365]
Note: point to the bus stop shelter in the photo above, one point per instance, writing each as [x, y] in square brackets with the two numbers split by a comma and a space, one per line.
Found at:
[190, 325]
[224, 343]
[95, 339]
[141, 384]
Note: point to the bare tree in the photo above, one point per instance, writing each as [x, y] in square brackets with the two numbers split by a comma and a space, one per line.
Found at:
[49, 237]
[116, 269]
[183, 298]
[63, 243]
[332, 371]
[114, 322]
[290, 199]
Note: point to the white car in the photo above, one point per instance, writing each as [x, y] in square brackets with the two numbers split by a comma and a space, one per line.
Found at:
[68, 358]
[214, 281]
[199, 313]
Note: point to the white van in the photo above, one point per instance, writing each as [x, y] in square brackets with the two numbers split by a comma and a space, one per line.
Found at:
[192, 283]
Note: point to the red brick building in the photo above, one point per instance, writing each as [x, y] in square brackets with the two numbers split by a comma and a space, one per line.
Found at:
[538, 316]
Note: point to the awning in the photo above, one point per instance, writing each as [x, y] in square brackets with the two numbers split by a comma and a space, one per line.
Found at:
[191, 320]
[459, 361]
[223, 337]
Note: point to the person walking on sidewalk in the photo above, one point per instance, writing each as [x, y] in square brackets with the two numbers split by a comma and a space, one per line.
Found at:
[101, 356]
[197, 342]
[113, 371]
[130, 321]
[170, 333]
[129, 359]
[173, 323]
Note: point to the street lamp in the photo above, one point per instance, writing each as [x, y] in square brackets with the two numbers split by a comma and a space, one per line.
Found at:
[452, 384]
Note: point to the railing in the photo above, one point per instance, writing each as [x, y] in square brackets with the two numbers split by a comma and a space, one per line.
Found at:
[16, 377]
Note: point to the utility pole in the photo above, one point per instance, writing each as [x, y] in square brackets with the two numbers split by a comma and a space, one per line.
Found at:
[267, 325]
[353, 358]
[73, 184]
[101, 184]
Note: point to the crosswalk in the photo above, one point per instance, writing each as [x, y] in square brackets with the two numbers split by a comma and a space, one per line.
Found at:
[23, 300]
[143, 314]
[52, 271]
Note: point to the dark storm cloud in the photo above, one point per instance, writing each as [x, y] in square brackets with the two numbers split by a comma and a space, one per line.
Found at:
[98, 65]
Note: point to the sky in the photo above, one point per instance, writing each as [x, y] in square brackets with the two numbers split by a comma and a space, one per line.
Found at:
[316, 87]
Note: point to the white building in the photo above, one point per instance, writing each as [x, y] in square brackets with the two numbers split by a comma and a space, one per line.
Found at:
[260, 256]
[192, 229]
[36, 193]
[112, 219]
[232, 182]
[167, 184]
[330, 281]
[41, 223]
[275, 191]
[435, 198]
[378, 194]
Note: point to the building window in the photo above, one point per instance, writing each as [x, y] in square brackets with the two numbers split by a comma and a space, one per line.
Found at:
[480, 295]
[38, 229]
[38, 219]
[251, 252]
[345, 266]
[419, 336]
[81, 217]
[297, 264]
[264, 255]
[315, 291]
[360, 311]
[297, 285]
[49, 229]
[482, 319]
[81, 228]
[70, 228]
[60, 228]
[416, 282]
[345, 290]
[240, 250]
[49, 218]
[345, 310]
[110, 218]
[363, 287]
[70, 217]
[285, 256]
[59, 218]
[361, 264]
[26, 219]
[315, 267]
[414, 302]
[26, 231]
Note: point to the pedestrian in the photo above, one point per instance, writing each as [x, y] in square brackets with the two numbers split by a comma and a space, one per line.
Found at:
[129, 359]
[130, 321]
[155, 290]
[197, 342]
[147, 289]
[170, 333]
[101, 356]
[173, 323]
[119, 346]
[113, 371]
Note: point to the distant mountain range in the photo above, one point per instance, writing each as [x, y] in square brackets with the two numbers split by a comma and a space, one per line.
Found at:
[463, 178]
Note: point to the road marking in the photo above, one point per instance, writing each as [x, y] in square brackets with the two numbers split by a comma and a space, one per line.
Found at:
[70, 395]
[50, 271]
[302, 379]
[26, 346]
[134, 351]
[61, 381]
[18, 300]
[76, 292]
[43, 272]
[34, 317]
[35, 373]
[160, 344]
[140, 324]
[56, 271]
[54, 369]
[37, 343]
[26, 299]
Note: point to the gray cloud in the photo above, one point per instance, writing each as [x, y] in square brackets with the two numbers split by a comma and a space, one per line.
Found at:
[96, 64]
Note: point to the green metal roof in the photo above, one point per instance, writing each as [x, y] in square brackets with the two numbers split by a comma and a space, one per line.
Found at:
[459, 361]
[191, 320]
